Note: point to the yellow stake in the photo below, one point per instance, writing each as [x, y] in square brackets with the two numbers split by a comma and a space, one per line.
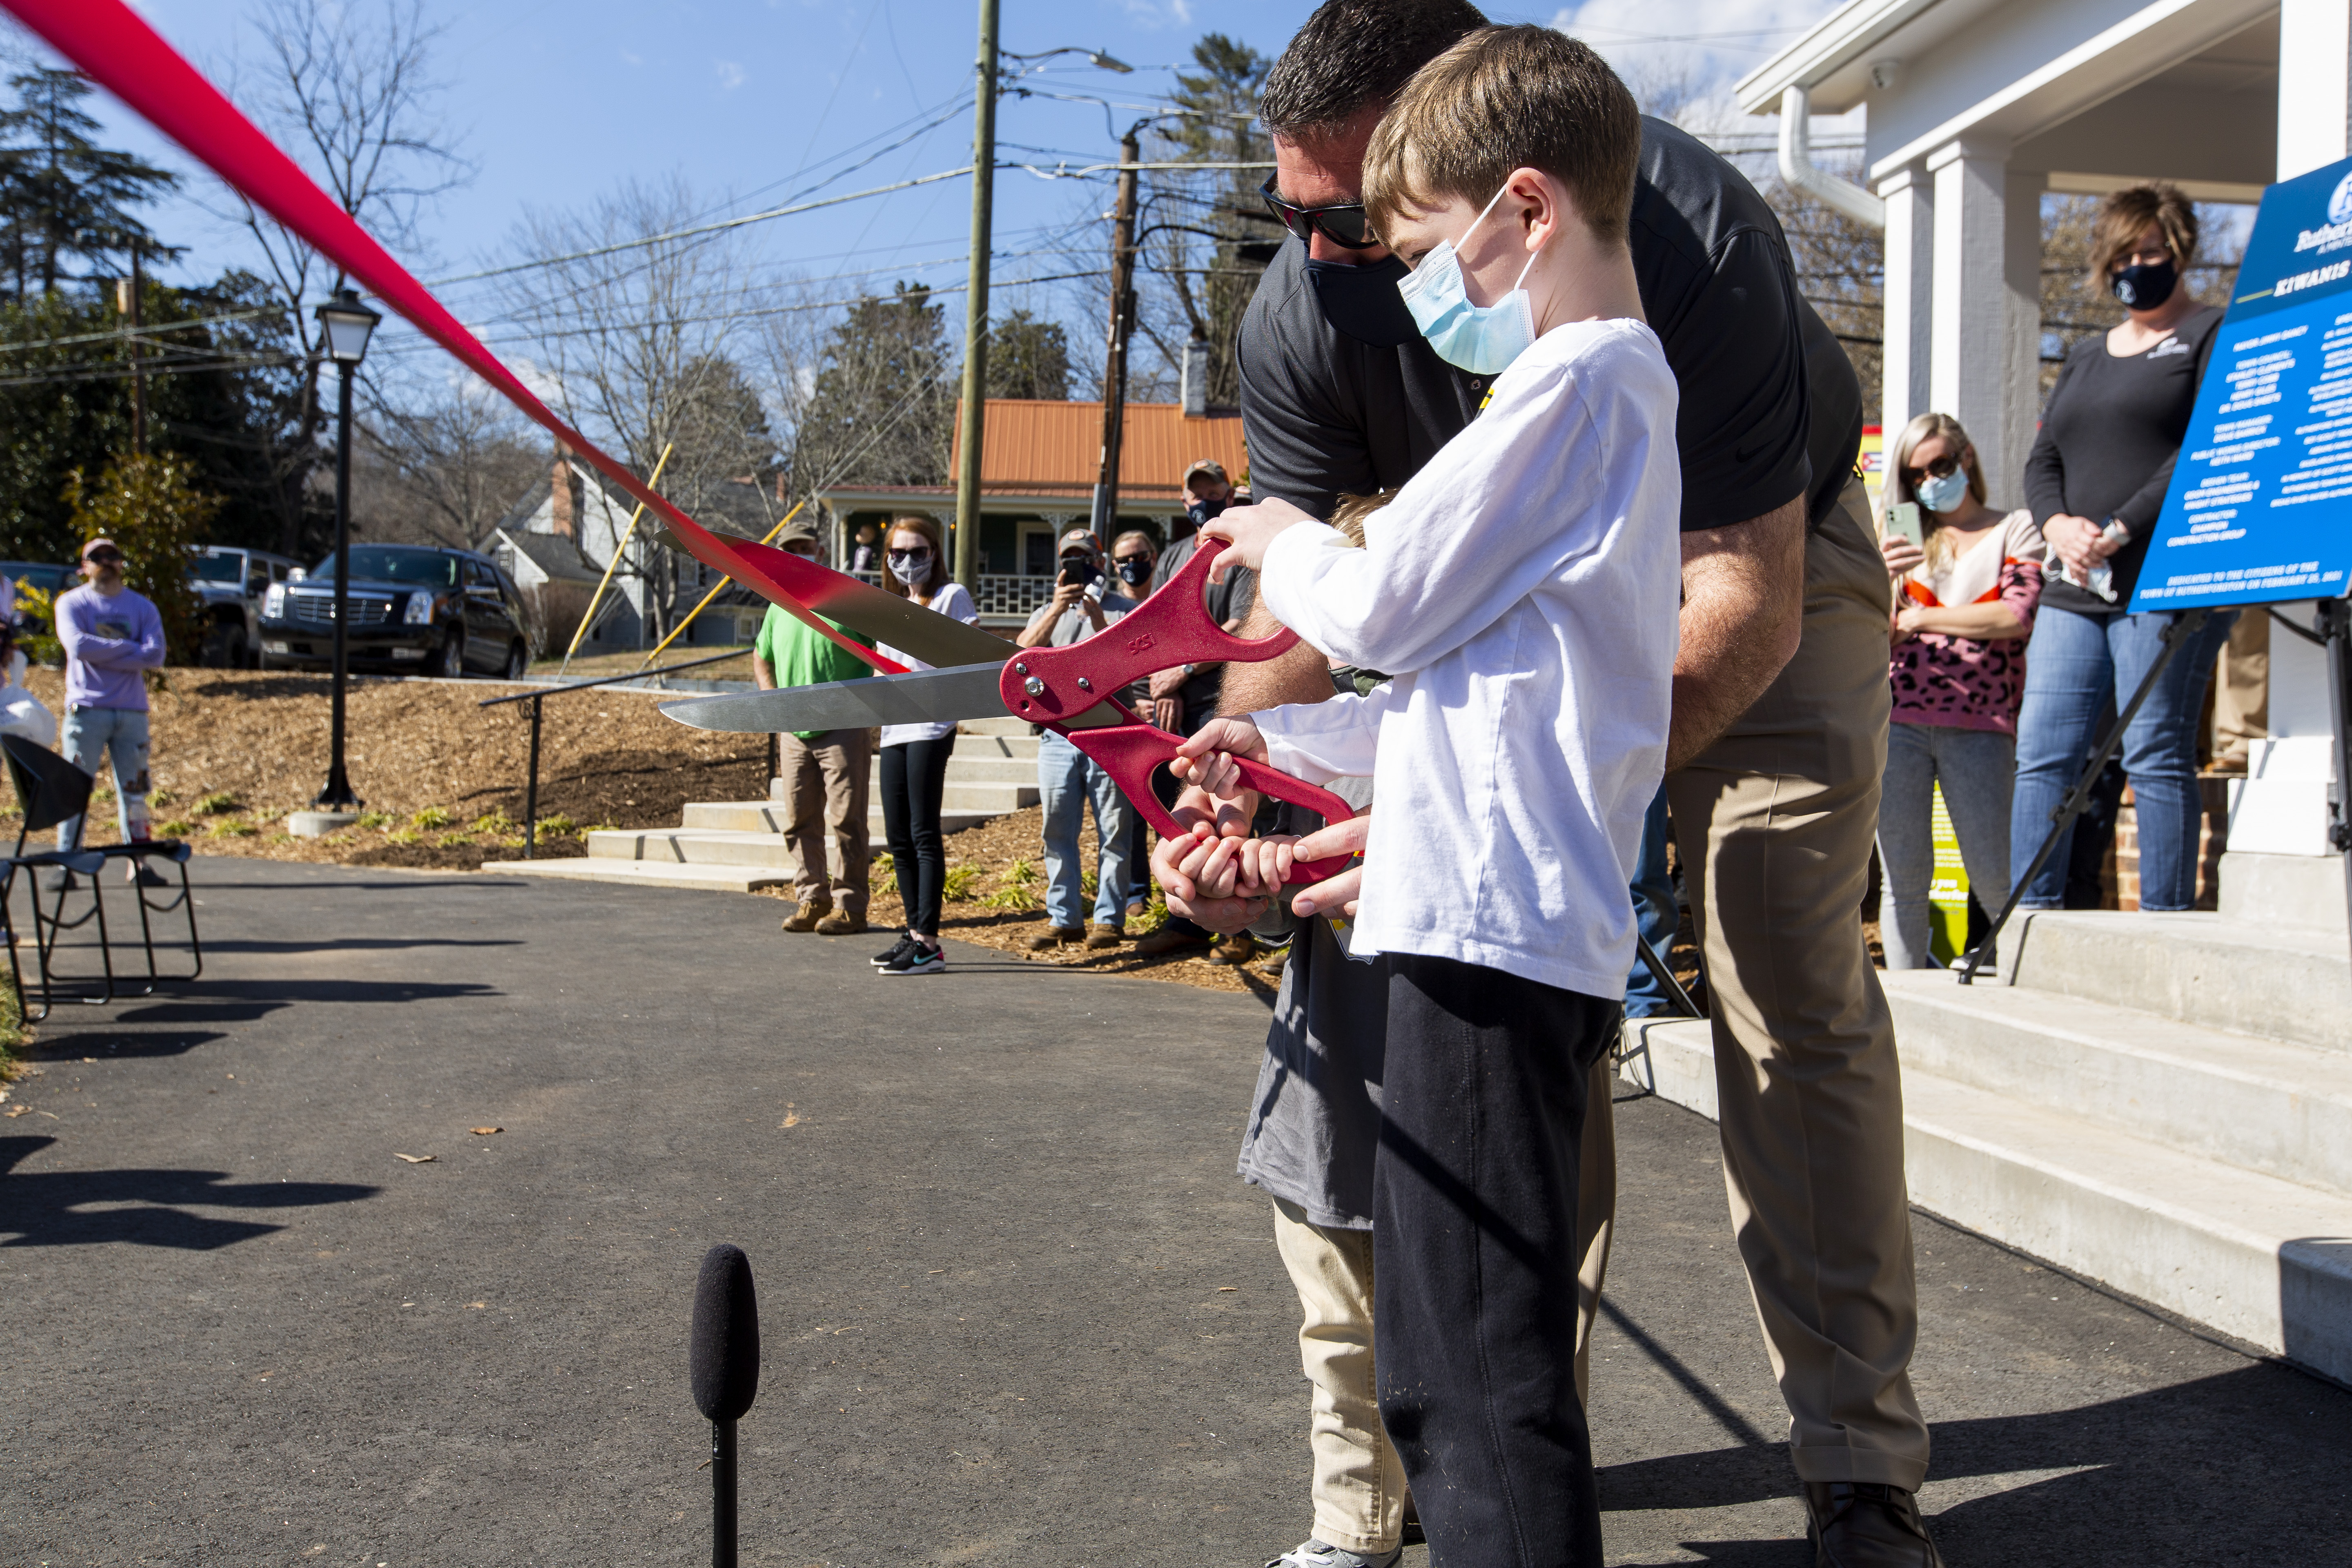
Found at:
[714, 593]
[611, 566]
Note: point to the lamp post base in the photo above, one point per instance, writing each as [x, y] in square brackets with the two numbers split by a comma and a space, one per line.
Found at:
[337, 795]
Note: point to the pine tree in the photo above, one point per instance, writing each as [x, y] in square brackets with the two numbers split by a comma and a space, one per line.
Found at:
[62, 196]
[1028, 358]
[882, 409]
[1216, 236]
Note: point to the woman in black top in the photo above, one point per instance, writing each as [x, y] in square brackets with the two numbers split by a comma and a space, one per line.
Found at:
[2096, 481]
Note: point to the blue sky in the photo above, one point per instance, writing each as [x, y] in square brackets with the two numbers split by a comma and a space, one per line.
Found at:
[556, 102]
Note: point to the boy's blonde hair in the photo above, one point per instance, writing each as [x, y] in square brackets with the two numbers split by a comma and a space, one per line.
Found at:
[1505, 99]
[1348, 516]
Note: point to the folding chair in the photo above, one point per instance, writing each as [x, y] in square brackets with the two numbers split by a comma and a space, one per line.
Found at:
[51, 790]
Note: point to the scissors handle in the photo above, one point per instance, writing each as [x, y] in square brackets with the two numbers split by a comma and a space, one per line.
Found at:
[1130, 751]
[1047, 685]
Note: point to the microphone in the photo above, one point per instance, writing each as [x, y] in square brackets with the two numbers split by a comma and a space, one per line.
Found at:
[724, 1368]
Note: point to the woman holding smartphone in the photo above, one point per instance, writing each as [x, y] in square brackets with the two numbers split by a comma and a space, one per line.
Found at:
[2096, 481]
[1965, 593]
[914, 756]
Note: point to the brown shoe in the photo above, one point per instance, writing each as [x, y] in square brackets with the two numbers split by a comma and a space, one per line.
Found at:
[1054, 937]
[841, 922]
[1862, 1524]
[1235, 950]
[1273, 966]
[1103, 936]
[805, 917]
[1166, 940]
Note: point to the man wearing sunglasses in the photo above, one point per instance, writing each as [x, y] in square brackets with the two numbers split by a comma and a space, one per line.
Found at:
[113, 636]
[1779, 728]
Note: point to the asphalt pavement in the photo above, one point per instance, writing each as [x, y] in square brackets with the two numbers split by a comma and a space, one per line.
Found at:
[1016, 1308]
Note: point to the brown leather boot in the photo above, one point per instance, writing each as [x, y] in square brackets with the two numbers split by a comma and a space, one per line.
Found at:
[804, 918]
[841, 922]
[1053, 937]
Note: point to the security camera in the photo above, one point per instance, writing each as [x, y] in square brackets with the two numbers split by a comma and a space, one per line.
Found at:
[1883, 72]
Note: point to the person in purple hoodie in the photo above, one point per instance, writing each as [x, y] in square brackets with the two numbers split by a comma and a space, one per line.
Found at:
[112, 635]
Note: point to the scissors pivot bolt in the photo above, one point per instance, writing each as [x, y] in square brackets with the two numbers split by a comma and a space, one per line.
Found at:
[1084, 685]
[1020, 669]
[1034, 687]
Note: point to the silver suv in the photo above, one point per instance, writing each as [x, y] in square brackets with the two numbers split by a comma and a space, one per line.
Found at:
[232, 583]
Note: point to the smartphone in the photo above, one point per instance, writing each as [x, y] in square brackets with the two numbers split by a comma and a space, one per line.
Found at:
[1903, 521]
[1082, 573]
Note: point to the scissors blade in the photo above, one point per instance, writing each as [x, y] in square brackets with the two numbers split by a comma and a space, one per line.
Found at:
[918, 696]
[902, 623]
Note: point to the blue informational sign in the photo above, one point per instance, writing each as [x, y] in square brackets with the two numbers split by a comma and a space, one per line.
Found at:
[2261, 505]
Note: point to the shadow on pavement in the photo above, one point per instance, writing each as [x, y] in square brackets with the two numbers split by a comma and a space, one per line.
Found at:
[42, 1208]
[117, 1046]
[2241, 1466]
[359, 945]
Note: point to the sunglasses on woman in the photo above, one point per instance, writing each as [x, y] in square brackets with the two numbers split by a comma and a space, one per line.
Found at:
[907, 557]
[1936, 469]
[1342, 223]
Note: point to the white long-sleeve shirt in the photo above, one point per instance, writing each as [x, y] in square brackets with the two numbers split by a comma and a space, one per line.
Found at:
[1523, 590]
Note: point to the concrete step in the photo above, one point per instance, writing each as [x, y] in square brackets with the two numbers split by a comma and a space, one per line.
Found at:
[2266, 1259]
[681, 847]
[2262, 1105]
[2283, 983]
[1023, 747]
[765, 816]
[981, 770]
[2284, 889]
[1006, 726]
[648, 874]
[991, 799]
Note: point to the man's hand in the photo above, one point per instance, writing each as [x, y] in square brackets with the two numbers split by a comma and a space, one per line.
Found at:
[1339, 892]
[1168, 713]
[1743, 613]
[1248, 531]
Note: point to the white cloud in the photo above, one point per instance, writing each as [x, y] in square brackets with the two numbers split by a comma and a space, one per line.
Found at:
[1152, 15]
[730, 75]
[1689, 52]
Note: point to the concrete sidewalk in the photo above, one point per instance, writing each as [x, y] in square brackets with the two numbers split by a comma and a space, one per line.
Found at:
[1016, 1308]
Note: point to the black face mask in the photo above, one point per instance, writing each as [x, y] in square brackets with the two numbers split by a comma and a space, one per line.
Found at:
[2144, 288]
[1201, 511]
[1362, 301]
[1135, 570]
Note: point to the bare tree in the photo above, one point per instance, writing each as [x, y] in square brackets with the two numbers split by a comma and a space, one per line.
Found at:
[444, 470]
[349, 88]
[639, 336]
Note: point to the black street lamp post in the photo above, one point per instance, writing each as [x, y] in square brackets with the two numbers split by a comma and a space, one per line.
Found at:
[346, 325]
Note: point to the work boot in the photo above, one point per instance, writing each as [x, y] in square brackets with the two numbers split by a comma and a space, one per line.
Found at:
[1167, 939]
[841, 922]
[1235, 950]
[1868, 1524]
[1105, 936]
[1054, 937]
[804, 918]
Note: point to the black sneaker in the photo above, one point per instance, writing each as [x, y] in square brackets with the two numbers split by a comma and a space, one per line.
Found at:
[889, 955]
[916, 959]
[57, 881]
[142, 874]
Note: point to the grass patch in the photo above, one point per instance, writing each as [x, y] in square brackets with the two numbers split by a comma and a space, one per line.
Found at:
[235, 829]
[960, 884]
[432, 817]
[882, 876]
[404, 835]
[179, 828]
[497, 822]
[373, 819]
[219, 805]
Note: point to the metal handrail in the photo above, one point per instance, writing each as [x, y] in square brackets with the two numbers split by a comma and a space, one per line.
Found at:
[530, 790]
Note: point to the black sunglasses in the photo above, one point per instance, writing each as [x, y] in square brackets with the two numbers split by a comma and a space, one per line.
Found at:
[1938, 469]
[1342, 224]
[920, 553]
[104, 558]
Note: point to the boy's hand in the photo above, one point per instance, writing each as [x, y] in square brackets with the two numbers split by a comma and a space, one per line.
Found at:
[1248, 529]
[1335, 894]
[1206, 760]
[1174, 862]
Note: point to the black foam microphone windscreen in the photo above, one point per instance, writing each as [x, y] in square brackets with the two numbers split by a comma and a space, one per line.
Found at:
[726, 1355]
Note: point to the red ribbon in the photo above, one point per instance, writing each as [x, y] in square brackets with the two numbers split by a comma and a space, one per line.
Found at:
[114, 47]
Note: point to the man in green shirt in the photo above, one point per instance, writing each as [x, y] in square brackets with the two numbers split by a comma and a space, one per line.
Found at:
[820, 774]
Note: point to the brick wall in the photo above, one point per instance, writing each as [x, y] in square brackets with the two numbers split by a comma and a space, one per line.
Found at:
[2121, 881]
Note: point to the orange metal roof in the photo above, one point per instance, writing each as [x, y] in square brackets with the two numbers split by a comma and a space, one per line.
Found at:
[1042, 449]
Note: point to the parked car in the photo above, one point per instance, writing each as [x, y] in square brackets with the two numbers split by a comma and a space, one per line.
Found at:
[232, 583]
[46, 575]
[415, 609]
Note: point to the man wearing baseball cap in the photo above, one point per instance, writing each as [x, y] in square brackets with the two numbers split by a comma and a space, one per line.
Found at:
[824, 773]
[113, 634]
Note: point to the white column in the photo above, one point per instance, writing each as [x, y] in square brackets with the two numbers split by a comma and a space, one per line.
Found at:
[1910, 201]
[2282, 807]
[1985, 315]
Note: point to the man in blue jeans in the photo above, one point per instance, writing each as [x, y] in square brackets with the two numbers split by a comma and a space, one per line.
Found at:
[1085, 599]
[111, 635]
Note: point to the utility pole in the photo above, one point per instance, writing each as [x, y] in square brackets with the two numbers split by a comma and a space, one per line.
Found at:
[130, 308]
[975, 318]
[1122, 328]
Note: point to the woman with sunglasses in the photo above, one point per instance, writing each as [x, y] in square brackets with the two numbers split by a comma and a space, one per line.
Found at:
[1964, 605]
[914, 756]
[2095, 480]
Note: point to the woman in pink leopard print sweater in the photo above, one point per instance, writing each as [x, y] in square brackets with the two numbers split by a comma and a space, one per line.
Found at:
[1963, 609]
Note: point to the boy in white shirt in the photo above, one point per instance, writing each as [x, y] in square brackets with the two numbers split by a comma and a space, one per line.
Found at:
[1523, 592]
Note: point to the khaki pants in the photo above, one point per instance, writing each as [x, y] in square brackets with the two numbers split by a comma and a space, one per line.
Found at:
[1358, 1480]
[824, 790]
[1774, 822]
[2242, 691]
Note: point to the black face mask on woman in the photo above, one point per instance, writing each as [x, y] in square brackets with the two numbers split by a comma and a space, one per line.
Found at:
[1135, 570]
[2144, 288]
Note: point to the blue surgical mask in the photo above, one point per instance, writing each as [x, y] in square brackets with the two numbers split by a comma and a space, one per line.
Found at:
[1944, 494]
[1481, 338]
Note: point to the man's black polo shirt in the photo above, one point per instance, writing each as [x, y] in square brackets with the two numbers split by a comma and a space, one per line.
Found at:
[1771, 407]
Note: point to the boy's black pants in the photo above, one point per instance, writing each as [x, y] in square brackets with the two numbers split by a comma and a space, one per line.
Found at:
[1475, 1256]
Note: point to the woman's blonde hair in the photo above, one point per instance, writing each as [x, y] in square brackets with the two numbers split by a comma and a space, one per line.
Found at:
[929, 527]
[2125, 216]
[1927, 427]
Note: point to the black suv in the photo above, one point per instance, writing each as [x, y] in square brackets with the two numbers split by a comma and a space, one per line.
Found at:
[413, 608]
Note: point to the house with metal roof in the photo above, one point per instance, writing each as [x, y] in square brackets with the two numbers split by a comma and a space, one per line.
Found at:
[1039, 461]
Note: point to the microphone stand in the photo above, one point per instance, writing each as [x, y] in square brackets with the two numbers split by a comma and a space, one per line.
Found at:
[722, 1494]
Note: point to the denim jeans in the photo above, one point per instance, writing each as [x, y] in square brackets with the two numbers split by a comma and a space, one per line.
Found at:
[1656, 913]
[1067, 780]
[121, 734]
[1975, 767]
[2078, 667]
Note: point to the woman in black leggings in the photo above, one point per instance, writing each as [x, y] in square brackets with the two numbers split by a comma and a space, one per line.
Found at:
[914, 756]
